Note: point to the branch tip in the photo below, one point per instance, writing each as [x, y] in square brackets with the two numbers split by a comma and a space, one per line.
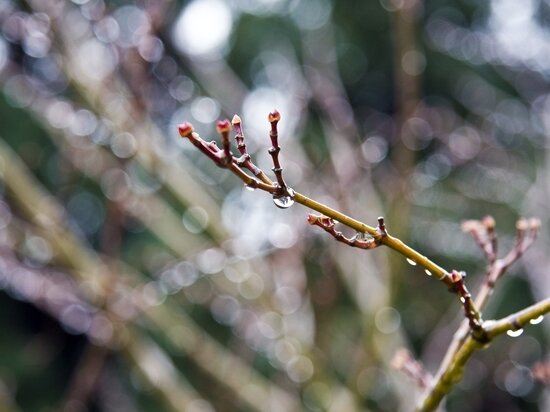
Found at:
[236, 120]
[185, 129]
[274, 116]
[488, 222]
[223, 126]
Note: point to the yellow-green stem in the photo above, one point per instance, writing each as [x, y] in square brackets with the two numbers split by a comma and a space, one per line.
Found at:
[390, 241]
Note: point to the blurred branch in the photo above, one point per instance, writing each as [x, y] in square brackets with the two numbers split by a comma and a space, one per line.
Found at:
[403, 361]
[453, 373]
[92, 271]
[484, 235]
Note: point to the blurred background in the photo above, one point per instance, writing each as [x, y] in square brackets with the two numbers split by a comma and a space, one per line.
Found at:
[136, 275]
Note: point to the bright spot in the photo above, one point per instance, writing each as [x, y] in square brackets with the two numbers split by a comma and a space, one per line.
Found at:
[203, 27]
[195, 219]
[282, 236]
[413, 62]
[310, 14]
[300, 369]
[537, 320]
[411, 262]
[514, 333]
[256, 107]
[387, 320]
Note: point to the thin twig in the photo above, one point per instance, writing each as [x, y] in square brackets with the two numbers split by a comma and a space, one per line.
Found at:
[403, 361]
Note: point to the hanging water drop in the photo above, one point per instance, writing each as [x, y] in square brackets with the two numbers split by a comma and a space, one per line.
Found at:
[427, 272]
[462, 299]
[247, 187]
[411, 262]
[284, 201]
[537, 320]
[514, 333]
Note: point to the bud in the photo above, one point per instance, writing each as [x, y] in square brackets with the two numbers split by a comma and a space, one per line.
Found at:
[274, 116]
[522, 224]
[312, 219]
[223, 126]
[185, 129]
[236, 120]
[488, 222]
[534, 223]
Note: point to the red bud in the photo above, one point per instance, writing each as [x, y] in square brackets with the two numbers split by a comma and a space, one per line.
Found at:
[185, 129]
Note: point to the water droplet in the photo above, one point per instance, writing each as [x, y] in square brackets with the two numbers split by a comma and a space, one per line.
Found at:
[428, 272]
[537, 320]
[249, 188]
[284, 201]
[462, 299]
[411, 262]
[514, 333]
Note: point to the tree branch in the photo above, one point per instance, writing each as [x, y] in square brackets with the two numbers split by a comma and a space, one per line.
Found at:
[492, 329]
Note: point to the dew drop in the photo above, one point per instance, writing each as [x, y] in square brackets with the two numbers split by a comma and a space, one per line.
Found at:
[514, 333]
[283, 202]
[428, 272]
[462, 299]
[411, 262]
[537, 320]
[249, 188]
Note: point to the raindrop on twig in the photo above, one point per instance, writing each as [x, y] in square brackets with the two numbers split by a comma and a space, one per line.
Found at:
[514, 333]
[411, 262]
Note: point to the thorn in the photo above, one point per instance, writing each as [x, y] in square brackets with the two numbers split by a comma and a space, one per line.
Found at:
[185, 129]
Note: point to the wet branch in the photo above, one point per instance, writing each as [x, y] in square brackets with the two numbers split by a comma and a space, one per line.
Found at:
[473, 334]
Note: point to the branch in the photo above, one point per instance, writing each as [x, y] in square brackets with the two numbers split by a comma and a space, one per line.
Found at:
[484, 235]
[470, 311]
[403, 361]
[453, 374]
[474, 333]
[328, 225]
[284, 197]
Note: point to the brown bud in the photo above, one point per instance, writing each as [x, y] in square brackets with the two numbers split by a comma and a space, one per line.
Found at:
[223, 126]
[185, 129]
[274, 116]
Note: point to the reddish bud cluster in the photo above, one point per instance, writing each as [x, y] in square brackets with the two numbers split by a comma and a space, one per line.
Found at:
[224, 158]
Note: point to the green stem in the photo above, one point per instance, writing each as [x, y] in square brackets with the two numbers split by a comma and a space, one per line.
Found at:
[387, 240]
[455, 370]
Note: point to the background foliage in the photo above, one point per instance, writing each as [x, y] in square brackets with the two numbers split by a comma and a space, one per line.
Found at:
[150, 280]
